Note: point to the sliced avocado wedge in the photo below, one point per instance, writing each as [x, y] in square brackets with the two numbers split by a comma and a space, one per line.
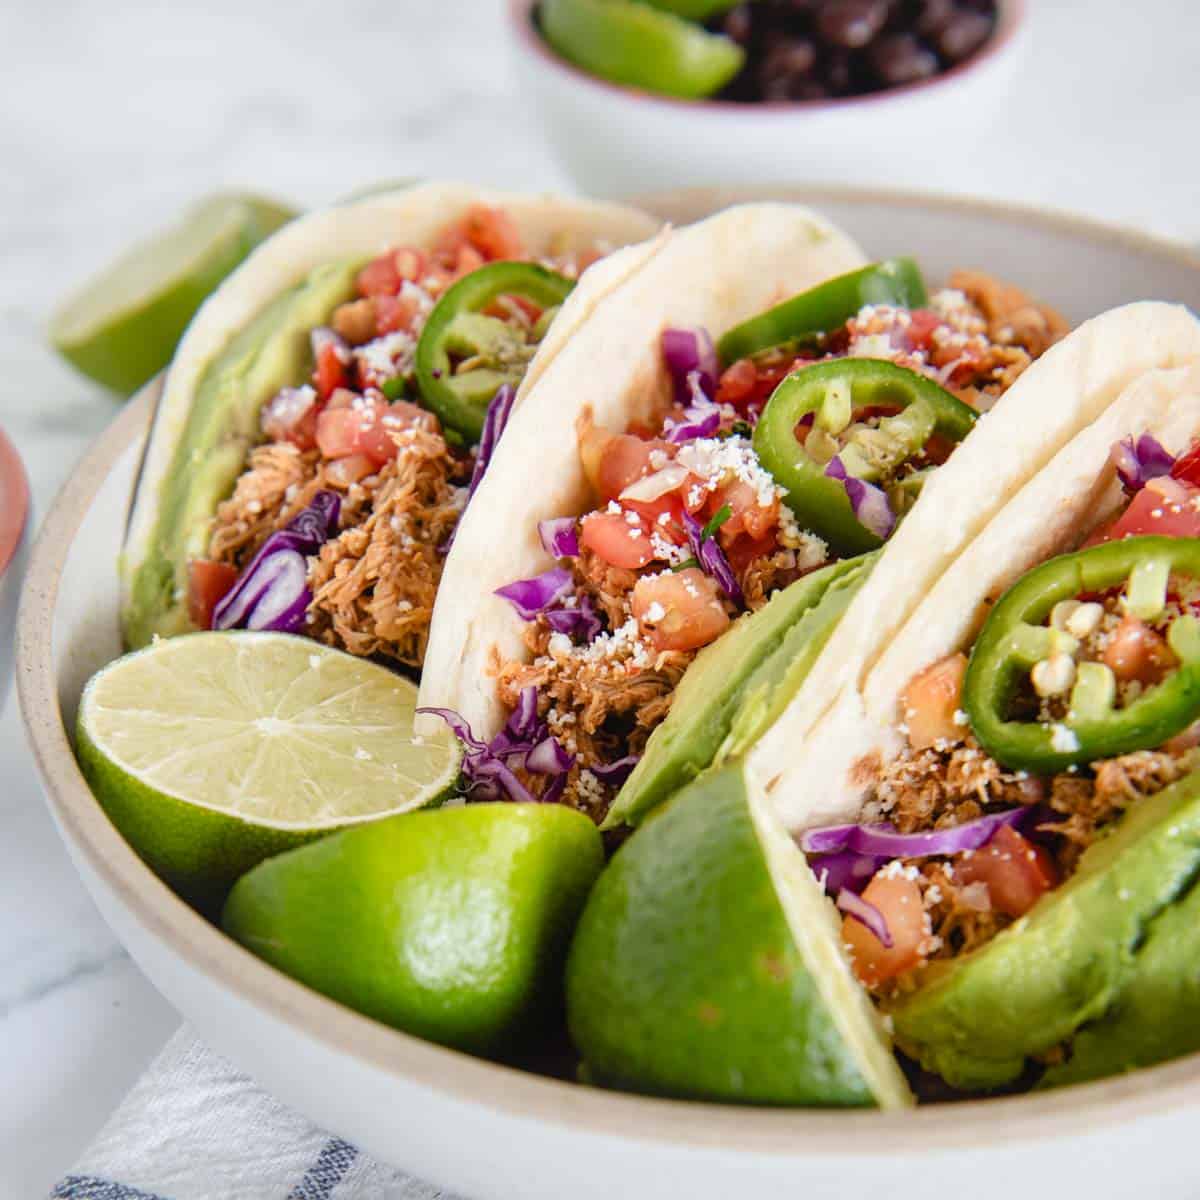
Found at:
[979, 1018]
[739, 685]
[1154, 1017]
[708, 964]
[222, 425]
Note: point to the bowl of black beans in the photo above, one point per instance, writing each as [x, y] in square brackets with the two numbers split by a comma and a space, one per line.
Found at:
[646, 94]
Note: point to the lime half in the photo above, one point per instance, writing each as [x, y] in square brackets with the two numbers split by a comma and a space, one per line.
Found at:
[213, 751]
[122, 327]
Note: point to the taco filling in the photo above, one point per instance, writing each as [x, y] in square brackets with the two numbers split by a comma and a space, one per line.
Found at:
[808, 447]
[1079, 698]
[411, 384]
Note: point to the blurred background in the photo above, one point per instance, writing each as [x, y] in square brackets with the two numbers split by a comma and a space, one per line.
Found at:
[114, 116]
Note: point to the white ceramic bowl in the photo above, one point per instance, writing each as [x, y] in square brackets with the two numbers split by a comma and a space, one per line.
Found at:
[14, 551]
[614, 140]
[492, 1132]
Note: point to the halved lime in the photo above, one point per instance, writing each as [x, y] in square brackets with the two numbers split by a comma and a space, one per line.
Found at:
[631, 43]
[709, 965]
[122, 327]
[213, 751]
[450, 924]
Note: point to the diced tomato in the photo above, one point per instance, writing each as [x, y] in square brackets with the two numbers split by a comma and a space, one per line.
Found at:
[743, 551]
[342, 398]
[1167, 507]
[492, 232]
[393, 313]
[624, 459]
[366, 427]
[1135, 652]
[617, 540]
[921, 324]
[502, 308]
[1187, 465]
[379, 277]
[343, 472]
[1017, 871]
[668, 506]
[898, 900]
[930, 701]
[411, 264]
[331, 372]
[748, 385]
[208, 584]
[291, 416]
[467, 259]
[746, 515]
[679, 610]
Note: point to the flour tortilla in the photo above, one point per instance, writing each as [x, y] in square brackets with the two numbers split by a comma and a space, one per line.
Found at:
[714, 274]
[1050, 514]
[411, 216]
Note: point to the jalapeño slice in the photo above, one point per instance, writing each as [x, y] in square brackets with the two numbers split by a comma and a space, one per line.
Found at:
[464, 356]
[829, 394]
[1014, 639]
[828, 306]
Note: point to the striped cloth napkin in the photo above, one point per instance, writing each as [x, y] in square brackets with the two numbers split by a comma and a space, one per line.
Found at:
[193, 1128]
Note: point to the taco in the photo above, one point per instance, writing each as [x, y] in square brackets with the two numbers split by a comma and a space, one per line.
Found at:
[335, 401]
[658, 595]
[1016, 779]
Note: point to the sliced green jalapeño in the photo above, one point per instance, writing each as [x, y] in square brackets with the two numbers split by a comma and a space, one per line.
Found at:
[828, 306]
[1014, 638]
[464, 356]
[830, 394]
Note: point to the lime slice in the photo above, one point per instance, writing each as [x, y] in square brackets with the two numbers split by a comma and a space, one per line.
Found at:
[451, 924]
[211, 752]
[631, 43]
[122, 327]
[708, 964]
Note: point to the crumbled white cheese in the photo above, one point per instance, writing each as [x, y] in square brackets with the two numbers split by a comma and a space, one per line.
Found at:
[1064, 740]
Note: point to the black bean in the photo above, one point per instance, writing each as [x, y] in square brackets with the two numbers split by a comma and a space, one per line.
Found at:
[900, 58]
[738, 24]
[789, 57]
[932, 16]
[962, 35]
[837, 72]
[851, 23]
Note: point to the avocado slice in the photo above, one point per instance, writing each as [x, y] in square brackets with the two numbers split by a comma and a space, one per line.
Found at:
[979, 1018]
[708, 964]
[1154, 1018]
[222, 426]
[739, 685]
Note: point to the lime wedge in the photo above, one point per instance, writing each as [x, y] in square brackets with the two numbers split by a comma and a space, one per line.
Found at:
[631, 43]
[451, 924]
[213, 751]
[708, 965]
[122, 327]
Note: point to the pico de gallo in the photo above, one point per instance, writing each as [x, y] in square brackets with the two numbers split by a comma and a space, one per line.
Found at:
[412, 381]
[1079, 698]
[807, 447]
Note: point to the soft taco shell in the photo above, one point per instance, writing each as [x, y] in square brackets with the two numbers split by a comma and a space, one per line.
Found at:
[356, 231]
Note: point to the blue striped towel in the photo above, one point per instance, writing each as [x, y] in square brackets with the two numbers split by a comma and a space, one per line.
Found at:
[194, 1128]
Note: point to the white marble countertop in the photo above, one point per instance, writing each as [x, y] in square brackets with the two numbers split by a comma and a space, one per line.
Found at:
[113, 116]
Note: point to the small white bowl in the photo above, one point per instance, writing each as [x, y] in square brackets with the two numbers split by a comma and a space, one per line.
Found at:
[14, 549]
[614, 140]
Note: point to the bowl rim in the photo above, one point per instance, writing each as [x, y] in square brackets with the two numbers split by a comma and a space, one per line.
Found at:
[1011, 20]
[669, 1124]
[14, 501]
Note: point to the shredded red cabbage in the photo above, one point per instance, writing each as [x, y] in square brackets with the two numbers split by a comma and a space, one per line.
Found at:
[883, 841]
[525, 743]
[533, 596]
[272, 592]
[870, 503]
[615, 773]
[710, 557]
[1139, 462]
[581, 623]
[845, 869]
[855, 906]
[559, 536]
[701, 418]
[686, 351]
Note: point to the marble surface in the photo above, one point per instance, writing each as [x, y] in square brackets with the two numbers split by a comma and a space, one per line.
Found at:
[114, 115]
